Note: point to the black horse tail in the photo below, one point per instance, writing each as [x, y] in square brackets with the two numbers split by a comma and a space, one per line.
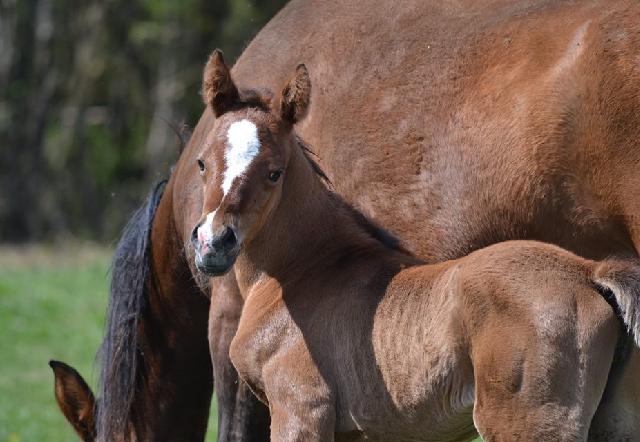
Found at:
[120, 355]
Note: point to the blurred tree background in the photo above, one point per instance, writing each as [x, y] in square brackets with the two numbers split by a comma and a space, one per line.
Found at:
[90, 94]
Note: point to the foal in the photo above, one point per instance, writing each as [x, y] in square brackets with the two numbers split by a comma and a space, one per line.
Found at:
[345, 335]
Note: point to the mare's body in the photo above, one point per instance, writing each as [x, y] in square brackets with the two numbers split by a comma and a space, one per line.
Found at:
[478, 121]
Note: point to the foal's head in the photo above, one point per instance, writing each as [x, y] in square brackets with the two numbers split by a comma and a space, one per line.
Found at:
[243, 162]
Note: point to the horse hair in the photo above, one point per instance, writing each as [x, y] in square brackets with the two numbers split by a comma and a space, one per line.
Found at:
[119, 353]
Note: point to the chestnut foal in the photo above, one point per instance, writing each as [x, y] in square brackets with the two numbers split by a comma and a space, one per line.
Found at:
[347, 336]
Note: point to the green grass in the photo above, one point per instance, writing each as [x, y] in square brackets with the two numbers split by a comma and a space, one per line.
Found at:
[52, 306]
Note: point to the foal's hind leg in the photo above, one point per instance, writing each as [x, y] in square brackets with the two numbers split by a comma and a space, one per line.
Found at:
[300, 401]
[544, 384]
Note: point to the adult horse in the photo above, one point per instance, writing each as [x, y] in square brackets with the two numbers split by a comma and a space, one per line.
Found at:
[455, 125]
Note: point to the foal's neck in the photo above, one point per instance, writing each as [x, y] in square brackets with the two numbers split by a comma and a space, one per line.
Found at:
[310, 226]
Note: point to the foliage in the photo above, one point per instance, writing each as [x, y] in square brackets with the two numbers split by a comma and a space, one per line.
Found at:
[89, 91]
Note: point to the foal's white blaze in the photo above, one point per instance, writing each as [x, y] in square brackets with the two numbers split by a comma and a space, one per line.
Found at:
[205, 231]
[242, 147]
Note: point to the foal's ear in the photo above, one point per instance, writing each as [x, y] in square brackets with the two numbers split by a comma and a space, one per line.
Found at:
[218, 88]
[296, 96]
[75, 399]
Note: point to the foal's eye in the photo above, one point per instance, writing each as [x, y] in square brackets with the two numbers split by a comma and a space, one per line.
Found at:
[275, 175]
[201, 165]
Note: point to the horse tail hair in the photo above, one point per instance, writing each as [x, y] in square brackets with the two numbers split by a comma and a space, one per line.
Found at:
[620, 284]
[120, 356]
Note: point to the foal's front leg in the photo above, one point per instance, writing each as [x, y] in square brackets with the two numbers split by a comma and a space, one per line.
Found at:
[300, 402]
[241, 417]
[295, 422]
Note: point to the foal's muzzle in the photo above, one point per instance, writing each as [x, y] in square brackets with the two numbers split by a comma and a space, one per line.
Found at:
[215, 255]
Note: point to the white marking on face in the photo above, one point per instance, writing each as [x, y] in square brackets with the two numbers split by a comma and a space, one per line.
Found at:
[242, 147]
[205, 231]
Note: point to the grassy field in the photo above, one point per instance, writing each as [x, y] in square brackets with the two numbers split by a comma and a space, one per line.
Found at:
[52, 305]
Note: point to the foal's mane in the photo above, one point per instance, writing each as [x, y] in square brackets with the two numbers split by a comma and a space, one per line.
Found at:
[372, 229]
[120, 356]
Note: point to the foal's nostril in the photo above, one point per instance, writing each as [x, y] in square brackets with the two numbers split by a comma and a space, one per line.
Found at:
[229, 240]
[194, 235]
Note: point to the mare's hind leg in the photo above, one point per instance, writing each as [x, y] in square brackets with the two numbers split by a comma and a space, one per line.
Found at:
[241, 416]
[541, 379]
[618, 416]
